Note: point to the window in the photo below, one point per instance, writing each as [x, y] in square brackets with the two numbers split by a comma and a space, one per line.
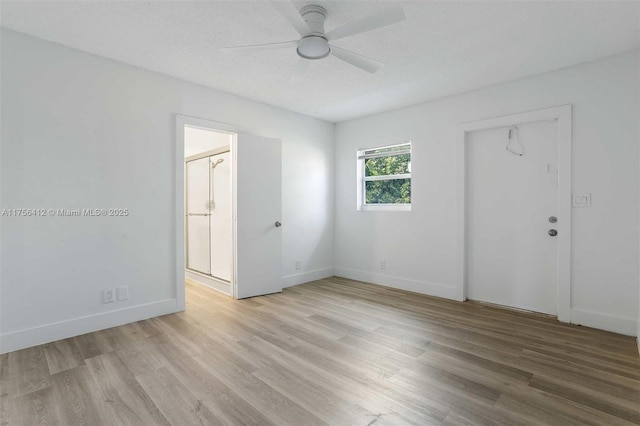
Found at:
[384, 178]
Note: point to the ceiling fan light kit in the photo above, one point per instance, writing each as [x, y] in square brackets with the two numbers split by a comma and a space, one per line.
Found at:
[314, 42]
[313, 47]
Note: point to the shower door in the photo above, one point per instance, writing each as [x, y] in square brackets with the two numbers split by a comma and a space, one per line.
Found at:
[198, 213]
[208, 208]
[220, 219]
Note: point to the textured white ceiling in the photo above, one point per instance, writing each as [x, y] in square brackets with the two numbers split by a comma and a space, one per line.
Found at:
[441, 49]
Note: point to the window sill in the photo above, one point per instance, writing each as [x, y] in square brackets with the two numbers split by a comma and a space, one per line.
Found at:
[385, 208]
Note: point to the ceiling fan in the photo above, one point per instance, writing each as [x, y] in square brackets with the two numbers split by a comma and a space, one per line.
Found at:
[315, 44]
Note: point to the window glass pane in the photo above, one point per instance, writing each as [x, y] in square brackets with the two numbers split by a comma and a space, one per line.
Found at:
[388, 149]
[390, 165]
[392, 191]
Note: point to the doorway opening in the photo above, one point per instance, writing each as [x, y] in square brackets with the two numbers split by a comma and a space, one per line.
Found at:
[208, 208]
[228, 188]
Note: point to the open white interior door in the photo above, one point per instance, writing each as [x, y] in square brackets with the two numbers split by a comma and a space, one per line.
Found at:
[258, 210]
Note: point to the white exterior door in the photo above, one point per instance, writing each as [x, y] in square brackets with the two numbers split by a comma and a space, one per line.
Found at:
[258, 178]
[511, 258]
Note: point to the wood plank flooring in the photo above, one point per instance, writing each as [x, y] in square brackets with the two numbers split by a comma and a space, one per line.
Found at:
[333, 351]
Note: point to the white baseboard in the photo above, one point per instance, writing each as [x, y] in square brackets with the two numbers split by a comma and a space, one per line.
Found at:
[305, 277]
[21, 339]
[605, 322]
[600, 321]
[424, 287]
[213, 283]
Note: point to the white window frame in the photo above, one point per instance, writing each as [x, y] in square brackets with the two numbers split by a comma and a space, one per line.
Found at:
[361, 156]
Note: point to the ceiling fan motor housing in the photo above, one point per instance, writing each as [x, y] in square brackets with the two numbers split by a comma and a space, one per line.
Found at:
[314, 45]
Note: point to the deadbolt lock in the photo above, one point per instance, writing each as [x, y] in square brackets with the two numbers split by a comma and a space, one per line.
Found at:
[553, 219]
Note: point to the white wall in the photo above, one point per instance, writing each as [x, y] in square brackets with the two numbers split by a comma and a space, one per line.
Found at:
[420, 246]
[201, 140]
[80, 131]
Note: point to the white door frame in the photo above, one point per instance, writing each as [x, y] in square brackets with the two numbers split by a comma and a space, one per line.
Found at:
[563, 115]
[179, 243]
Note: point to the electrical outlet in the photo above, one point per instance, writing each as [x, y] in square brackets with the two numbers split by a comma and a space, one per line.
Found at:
[108, 296]
[582, 200]
[122, 293]
[383, 264]
[297, 264]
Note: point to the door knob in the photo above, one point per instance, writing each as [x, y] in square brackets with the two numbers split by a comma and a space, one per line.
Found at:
[553, 219]
[553, 232]
[278, 224]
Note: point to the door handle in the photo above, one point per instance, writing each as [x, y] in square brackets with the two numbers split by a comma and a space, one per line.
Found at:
[198, 214]
[278, 224]
[553, 232]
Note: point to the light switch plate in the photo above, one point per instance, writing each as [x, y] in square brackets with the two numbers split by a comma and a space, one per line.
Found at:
[122, 293]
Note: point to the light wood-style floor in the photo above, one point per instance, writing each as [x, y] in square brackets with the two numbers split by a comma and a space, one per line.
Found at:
[335, 352]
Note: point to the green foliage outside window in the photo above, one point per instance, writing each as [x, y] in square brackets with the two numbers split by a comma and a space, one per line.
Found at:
[388, 191]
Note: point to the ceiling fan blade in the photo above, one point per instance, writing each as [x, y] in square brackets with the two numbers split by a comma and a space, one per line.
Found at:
[368, 23]
[356, 59]
[289, 11]
[299, 72]
[266, 46]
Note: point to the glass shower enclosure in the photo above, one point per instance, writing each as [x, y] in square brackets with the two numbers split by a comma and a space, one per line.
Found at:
[208, 208]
